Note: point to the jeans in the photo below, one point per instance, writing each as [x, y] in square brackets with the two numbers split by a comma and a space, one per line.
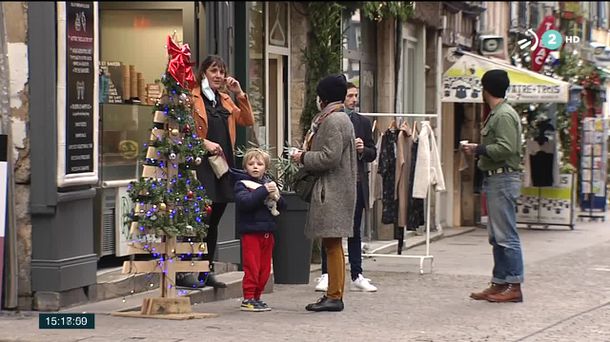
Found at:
[502, 191]
[354, 244]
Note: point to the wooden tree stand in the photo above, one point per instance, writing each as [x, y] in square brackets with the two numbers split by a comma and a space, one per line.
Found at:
[168, 305]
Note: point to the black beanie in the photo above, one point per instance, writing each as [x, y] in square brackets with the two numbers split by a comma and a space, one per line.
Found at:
[496, 82]
[332, 88]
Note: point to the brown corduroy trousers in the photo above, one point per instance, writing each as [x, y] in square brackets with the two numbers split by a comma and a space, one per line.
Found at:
[336, 267]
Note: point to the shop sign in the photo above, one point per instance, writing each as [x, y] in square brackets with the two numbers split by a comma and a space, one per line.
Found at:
[540, 53]
[462, 83]
[77, 93]
[3, 197]
[121, 224]
[548, 205]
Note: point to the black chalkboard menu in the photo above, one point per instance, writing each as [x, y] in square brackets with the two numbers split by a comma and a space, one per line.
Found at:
[80, 76]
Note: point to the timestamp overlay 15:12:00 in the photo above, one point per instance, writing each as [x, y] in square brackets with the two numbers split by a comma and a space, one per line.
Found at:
[66, 321]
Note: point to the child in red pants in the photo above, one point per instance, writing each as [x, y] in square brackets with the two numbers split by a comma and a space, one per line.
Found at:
[257, 203]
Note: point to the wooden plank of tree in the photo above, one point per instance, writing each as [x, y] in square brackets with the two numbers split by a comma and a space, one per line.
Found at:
[183, 316]
[145, 305]
[152, 266]
[163, 306]
[156, 247]
[168, 281]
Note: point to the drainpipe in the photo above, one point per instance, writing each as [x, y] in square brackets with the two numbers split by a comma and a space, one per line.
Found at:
[10, 264]
[439, 123]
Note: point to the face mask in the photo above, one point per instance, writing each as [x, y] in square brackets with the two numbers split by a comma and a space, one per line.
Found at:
[207, 91]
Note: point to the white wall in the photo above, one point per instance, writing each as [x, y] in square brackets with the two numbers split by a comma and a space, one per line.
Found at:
[138, 38]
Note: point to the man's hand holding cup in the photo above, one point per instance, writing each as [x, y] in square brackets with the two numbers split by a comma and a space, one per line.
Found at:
[295, 154]
[468, 148]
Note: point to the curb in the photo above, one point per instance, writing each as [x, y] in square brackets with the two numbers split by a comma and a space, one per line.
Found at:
[210, 294]
[419, 240]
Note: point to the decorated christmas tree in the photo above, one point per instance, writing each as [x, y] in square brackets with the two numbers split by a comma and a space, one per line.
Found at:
[169, 201]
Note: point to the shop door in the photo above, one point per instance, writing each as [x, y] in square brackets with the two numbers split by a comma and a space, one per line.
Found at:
[278, 113]
[468, 122]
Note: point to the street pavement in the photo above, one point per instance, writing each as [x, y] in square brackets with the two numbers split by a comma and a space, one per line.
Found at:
[566, 298]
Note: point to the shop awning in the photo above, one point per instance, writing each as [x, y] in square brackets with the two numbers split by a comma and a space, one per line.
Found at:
[462, 82]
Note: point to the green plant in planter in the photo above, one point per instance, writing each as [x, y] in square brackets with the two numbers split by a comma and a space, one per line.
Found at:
[567, 168]
[282, 169]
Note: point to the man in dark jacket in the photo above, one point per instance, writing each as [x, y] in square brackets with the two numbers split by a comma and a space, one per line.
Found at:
[365, 148]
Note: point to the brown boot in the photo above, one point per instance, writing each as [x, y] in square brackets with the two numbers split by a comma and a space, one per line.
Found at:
[512, 293]
[492, 289]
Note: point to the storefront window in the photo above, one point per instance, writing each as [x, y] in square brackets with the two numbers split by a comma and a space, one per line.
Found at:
[137, 38]
[352, 29]
[256, 77]
[352, 45]
[133, 58]
[125, 129]
[278, 24]
[351, 69]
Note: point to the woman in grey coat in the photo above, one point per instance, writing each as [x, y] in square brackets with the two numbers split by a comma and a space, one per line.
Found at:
[330, 152]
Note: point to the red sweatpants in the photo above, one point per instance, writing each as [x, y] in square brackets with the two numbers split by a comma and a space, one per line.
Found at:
[257, 250]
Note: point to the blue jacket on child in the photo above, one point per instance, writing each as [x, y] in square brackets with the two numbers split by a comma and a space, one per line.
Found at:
[253, 216]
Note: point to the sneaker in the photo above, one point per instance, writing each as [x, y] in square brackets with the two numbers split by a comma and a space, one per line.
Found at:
[251, 305]
[263, 305]
[322, 285]
[362, 284]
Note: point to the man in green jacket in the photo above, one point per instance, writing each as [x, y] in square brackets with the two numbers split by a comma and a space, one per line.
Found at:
[499, 158]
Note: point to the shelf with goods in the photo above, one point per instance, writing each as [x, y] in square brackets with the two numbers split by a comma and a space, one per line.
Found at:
[593, 168]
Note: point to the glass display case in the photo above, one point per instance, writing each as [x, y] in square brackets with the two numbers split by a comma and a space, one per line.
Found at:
[125, 129]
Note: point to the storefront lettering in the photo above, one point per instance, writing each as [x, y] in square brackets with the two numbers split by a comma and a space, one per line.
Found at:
[80, 146]
[81, 70]
[534, 89]
[79, 86]
[81, 157]
[75, 169]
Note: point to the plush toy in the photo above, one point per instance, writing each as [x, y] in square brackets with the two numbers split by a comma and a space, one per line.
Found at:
[270, 201]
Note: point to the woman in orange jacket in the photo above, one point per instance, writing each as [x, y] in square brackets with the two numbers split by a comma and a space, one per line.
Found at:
[216, 117]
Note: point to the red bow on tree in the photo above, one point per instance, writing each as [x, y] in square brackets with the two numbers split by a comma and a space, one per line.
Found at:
[180, 63]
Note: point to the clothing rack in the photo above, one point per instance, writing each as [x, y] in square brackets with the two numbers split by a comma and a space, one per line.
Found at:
[429, 193]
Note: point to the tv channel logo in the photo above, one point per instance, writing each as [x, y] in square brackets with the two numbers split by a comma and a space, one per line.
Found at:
[551, 39]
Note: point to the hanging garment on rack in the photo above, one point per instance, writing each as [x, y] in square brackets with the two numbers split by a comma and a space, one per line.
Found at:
[428, 170]
[541, 163]
[415, 207]
[387, 170]
[375, 179]
[403, 172]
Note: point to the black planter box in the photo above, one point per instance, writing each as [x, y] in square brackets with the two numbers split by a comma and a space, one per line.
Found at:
[292, 251]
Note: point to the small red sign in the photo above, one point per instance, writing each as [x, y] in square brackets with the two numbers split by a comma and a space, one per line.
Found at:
[540, 53]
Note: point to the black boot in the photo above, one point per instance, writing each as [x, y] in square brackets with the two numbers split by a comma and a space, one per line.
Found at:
[326, 304]
[188, 280]
[209, 279]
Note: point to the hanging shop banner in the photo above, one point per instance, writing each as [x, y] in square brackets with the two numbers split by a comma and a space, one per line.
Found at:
[122, 226]
[548, 205]
[77, 94]
[540, 53]
[3, 202]
[593, 164]
[462, 82]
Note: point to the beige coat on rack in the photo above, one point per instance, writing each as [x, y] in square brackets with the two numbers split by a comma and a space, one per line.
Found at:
[428, 170]
[404, 146]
